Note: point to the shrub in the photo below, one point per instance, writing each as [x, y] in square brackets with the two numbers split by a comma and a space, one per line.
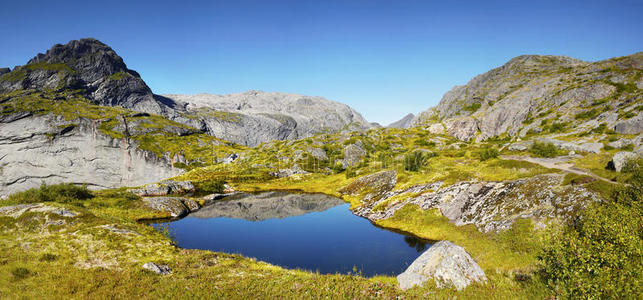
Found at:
[20, 273]
[543, 149]
[598, 255]
[414, 161]
[61, 193]
[487, 153]
[210, 186]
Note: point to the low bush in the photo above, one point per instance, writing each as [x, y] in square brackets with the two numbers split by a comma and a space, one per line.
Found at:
[414, 161]
[599, 254]
[488, 153]
[61, 193]
[543, 149]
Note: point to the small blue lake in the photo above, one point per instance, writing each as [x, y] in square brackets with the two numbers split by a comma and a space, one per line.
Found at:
[306, 231]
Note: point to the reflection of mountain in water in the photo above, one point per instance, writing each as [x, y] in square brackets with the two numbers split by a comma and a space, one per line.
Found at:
[269, 205]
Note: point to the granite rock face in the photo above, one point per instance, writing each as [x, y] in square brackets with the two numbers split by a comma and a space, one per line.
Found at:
[531, 92]
[447, 264]
[47, 148]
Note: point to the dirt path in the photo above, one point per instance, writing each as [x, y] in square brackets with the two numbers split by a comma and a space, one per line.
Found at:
[560, 163]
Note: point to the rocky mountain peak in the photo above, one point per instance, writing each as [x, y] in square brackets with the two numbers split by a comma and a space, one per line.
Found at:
[89, 65]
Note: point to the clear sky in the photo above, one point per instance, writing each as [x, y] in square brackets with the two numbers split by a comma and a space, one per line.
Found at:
[384, 58]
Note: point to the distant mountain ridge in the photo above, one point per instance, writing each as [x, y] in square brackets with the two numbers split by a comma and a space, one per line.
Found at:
[403, 123]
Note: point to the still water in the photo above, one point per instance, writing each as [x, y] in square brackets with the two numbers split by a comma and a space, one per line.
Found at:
[306, 231]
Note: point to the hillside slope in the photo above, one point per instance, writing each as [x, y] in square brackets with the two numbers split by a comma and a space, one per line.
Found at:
[533, 94]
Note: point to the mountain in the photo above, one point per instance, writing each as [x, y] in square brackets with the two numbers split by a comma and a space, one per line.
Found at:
[543, 94]
[253, 117]
[402, 123]
[87, 65]
[77, 114]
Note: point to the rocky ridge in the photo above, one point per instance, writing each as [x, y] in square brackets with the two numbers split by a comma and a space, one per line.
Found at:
[543, 94]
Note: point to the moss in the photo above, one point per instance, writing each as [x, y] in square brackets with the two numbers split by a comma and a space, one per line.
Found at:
[473, 107]
[18, 74]
[119, 76]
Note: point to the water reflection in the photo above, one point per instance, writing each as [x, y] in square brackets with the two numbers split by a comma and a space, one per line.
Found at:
[268, 205]
[414, 242]
[314, 232]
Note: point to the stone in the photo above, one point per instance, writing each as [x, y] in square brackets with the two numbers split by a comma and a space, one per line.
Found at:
[281, 173]
[436, 128]
[353, 155]
[621, 158]
[317, 153]
[630, 126]
[230, 158]
[165, 187]
[175, 207]
[374, 186]
[447, 264]
[158, 269]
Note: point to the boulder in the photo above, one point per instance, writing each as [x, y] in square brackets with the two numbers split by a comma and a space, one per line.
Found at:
[165, 187]
[374, 186]
[176, 207]
[447, 264]
[620, 158]
[158, 269]
[353, 155]
[436, 128]
[317, 153]
[630, 126]
[296, 169]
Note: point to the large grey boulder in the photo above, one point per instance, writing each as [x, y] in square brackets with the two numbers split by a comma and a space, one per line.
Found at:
[447, 264]
[353, 155]
[164, 187]
[175, 207]
[158, 269]
[621, 158]
[630, 126]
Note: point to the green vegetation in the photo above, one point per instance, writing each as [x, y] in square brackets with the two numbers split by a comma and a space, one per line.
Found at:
[541, 149]
[488, 153]
[415, 161]
[119, 75]
[61, 193]
[588, 114]
[600, 254]
[473, 107]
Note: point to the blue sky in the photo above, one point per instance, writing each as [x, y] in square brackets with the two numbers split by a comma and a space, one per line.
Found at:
[384, 58]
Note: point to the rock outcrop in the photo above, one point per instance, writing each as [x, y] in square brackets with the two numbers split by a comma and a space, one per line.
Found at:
[531, 92]
[621, 158]
[447, 264]
[175, 207]
[372, 187]
[164, 188]
[47, 148]
[490, 206]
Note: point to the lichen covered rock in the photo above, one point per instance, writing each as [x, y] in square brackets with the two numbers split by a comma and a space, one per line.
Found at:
[447, 264]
